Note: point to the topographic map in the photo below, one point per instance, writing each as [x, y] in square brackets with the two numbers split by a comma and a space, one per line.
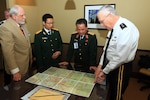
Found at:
[70, 81]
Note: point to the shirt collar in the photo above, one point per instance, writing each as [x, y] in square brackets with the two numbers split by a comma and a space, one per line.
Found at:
[46, 30]
[82, 36]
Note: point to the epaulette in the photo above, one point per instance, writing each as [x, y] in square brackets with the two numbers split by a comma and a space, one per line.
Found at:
[55, 29]
[91, 33]
[74, 32]
[122, 25]
[38, 32]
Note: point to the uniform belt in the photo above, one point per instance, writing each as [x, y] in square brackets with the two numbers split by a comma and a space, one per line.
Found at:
[78, 66]
[82, 68]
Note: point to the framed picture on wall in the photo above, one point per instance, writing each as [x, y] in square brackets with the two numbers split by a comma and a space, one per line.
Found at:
[90, 14]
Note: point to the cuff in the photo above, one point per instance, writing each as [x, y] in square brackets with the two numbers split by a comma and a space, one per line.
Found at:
[106, 70]
[15, 70]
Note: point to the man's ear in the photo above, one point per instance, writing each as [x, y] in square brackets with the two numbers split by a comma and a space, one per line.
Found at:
[14, 16]
[43, 23]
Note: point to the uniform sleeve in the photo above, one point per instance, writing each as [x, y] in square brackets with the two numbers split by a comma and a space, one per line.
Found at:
[93, 50]
[37, 46]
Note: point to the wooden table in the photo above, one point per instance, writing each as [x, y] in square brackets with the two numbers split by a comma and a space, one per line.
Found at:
[19, 89]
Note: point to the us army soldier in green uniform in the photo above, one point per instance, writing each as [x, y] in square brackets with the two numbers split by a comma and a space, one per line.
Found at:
[83, 46]
[47, 44]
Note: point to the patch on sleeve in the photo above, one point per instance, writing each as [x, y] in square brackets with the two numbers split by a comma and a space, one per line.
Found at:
[122, 25]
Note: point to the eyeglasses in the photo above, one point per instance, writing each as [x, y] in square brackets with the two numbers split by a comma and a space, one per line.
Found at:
[22, 15]
[102, 21]
[50, 23]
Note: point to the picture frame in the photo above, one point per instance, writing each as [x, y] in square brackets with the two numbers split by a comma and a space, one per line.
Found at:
[90, 14]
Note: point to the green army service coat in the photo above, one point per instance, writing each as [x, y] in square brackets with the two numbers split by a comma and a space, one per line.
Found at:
[45, 46]
[84, 50]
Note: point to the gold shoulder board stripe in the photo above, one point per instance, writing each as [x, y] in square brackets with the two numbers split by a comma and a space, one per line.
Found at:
[55, 29]
[38, 32]
[91, 33]
[74, 32]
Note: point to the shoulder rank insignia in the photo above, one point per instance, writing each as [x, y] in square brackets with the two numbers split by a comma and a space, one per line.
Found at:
[74, 32]
[55, 29]
[122, 25]
[90, 33]
[38, 32]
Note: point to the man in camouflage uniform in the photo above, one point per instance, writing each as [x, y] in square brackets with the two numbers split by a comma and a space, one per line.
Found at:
[83, 46]
[48, 45]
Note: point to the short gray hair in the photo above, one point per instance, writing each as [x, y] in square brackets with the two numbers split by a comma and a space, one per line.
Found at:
[108, 9]
[14, 10]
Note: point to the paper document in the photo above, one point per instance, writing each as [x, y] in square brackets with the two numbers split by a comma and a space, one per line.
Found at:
[42, 93]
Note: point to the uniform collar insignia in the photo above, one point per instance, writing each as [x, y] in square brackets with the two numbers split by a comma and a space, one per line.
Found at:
[52, 31]
[122, 25]
[75, 40]
[44, 32]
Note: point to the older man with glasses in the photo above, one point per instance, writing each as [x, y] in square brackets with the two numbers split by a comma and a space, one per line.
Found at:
[16, 46]
[119, 51]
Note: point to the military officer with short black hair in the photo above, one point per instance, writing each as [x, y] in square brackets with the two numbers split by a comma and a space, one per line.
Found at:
[48, 45]
[83, 46]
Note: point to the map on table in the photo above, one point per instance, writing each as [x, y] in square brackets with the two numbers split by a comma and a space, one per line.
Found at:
[74, 82]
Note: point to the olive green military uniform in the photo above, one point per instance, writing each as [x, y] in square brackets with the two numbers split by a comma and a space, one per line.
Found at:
[45, 45]
[84, 50]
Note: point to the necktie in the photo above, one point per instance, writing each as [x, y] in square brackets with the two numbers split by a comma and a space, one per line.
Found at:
[81, 37]
[105, 53]
[21, 30]
[49, 32]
